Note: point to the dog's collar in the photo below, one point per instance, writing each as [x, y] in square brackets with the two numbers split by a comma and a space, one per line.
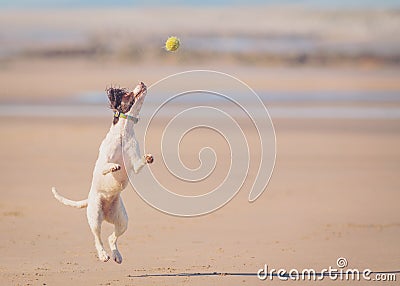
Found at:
[126, 116]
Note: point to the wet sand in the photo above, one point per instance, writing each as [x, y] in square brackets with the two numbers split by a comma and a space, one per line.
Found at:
[43, 80]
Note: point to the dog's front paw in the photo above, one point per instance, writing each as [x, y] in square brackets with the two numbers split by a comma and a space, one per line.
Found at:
[114, 168]
[149, 158]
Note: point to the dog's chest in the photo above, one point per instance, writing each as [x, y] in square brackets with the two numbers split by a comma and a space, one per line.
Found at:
[111, 149]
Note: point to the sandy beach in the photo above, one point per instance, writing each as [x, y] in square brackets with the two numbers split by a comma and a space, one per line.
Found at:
[334, 192]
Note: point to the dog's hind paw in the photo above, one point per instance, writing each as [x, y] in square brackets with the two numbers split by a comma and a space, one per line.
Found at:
[117, 256]
[103, 256]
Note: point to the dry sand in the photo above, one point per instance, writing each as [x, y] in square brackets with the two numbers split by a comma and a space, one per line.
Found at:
[334, 193]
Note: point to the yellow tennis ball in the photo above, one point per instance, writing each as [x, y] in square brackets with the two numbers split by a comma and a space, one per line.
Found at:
[172, 44]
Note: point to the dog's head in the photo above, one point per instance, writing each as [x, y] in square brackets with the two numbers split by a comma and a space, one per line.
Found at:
[127, 101]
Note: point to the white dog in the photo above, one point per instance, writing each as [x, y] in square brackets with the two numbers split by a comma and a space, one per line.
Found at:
[110, 173]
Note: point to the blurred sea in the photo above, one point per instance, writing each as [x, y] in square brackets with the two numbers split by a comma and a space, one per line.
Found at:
[124, 3]
[289, 32]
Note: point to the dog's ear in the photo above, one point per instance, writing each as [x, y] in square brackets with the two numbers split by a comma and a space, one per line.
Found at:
[114, 96]
[118, 102]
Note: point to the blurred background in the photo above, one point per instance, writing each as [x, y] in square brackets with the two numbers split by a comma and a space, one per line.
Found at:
[328, 72]
[55, 43]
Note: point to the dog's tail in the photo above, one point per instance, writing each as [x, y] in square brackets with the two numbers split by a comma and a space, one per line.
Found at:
[67, 202]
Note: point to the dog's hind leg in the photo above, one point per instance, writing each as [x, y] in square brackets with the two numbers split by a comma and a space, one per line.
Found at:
[95, 219]
[120, 220]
